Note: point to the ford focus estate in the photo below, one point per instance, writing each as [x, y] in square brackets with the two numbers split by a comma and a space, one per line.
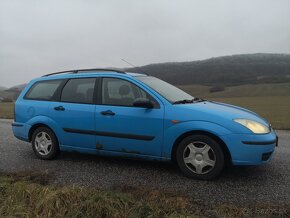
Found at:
[110, 112]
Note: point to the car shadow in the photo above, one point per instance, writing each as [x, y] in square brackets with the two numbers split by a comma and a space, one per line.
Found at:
[230, 172]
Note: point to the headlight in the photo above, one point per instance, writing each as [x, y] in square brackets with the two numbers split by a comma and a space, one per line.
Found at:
[254, 126]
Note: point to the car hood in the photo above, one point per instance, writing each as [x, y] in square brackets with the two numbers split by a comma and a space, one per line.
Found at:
[216, 112]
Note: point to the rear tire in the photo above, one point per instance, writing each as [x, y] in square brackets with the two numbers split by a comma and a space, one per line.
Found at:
[200, 157]
[44, 143]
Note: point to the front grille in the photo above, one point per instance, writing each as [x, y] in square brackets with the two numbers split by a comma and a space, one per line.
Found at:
[266, 156]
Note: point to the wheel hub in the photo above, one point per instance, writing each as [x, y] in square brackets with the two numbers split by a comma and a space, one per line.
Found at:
[199, 157]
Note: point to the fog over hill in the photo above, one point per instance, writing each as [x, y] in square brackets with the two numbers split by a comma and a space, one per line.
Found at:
[225, 70]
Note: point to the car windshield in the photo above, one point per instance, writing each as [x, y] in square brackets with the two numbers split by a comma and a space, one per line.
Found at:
[168, 91]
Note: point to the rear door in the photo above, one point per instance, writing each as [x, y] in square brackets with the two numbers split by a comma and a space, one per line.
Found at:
[74, 113]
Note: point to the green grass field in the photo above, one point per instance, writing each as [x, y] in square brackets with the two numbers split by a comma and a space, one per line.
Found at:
[271, 101]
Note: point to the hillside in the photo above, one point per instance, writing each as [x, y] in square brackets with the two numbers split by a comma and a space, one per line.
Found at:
[16, 88]
[12, 93]
[227, 70]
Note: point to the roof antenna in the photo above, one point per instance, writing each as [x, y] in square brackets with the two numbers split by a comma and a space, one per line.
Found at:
[128, 63]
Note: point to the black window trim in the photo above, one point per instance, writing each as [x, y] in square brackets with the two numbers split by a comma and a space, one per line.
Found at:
[100, 88]
[95, 94]
[25, 97]
[57, 94]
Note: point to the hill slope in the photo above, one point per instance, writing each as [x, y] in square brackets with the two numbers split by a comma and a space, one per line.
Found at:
[16, 88]
[226, 70]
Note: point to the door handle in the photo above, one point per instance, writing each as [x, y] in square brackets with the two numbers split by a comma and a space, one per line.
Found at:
[59, 108]
[107, 113]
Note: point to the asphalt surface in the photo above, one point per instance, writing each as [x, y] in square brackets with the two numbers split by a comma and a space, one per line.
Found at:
[269, 183]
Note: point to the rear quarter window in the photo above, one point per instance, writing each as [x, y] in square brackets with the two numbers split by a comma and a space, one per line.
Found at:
[43, 90]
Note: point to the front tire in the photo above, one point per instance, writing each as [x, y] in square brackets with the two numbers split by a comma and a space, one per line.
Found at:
[44, 143]
[200, 157]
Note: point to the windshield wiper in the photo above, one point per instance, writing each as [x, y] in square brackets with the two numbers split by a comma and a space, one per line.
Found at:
[196, 99]
[188, 101]
[184, 101]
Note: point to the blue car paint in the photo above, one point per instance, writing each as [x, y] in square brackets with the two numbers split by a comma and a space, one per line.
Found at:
[243, 154]
[131, 120]
[210, 117]
[75, 116]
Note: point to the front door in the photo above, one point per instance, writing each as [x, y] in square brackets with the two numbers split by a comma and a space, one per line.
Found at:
[121, 127]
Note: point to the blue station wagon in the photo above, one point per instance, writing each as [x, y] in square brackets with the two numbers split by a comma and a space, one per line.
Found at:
[111, 112]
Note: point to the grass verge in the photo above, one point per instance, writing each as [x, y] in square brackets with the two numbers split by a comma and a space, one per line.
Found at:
[28, 194]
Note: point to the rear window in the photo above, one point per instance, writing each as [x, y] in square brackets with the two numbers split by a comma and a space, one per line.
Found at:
[43, 90]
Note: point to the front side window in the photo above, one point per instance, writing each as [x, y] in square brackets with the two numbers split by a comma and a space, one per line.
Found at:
[79, 91]
[121, 92]
[43, 90]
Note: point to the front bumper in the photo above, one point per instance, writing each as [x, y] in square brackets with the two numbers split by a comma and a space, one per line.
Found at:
[251, 149]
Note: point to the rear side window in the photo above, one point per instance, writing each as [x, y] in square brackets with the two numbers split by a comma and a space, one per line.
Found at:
[79, 91]
[43, 90]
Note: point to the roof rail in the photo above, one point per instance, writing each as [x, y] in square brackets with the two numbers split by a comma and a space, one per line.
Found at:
[93, 71]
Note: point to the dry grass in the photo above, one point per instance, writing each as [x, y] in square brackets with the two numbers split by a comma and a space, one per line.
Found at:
[253, 90]
[25, 196]
[28, 194]
[257, 210]
[6, 110]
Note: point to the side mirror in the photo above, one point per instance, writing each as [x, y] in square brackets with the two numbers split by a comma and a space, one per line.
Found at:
[143, 102]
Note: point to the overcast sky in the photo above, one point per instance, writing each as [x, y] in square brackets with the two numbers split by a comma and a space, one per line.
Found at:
[39, 37]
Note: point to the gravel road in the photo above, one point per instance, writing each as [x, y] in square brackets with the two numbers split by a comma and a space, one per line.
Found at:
[269, 183]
